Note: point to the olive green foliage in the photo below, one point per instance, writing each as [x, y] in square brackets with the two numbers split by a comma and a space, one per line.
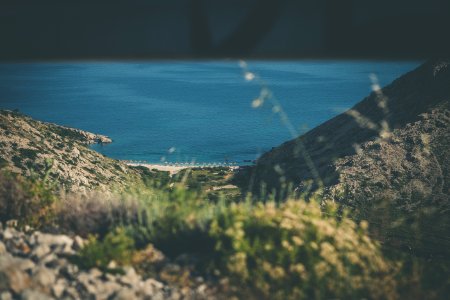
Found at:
[29, 201]
[298, 251]
[292, 250]
[153, 178]
[175, 220]
[3, 163]
[209, 181]
[204, 179]
[116, 246]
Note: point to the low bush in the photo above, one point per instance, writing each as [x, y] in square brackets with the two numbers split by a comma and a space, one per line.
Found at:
[95, 213]
[115, 246]
[298, 251]
[3, 163]
[175, 221]
[29, 201]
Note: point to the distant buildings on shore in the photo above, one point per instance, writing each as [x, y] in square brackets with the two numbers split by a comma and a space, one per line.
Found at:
[191, 164]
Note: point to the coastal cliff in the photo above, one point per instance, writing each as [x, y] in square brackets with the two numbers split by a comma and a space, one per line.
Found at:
[30, 147]
[395, 141]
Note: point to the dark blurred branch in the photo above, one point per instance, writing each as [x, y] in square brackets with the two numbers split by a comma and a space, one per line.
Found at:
[252, 29]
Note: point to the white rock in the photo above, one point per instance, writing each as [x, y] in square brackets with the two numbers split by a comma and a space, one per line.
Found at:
[49, 258]
[78, 243]
[64, 249]
[110, 277]
[54, 262]
[75, 152]
[12, 276]
[53, 239]
[12, 223]
[144, 289]
[34, 295]
[6, 296]
[72, 292]
[84, 278]
[154, 283]
[40, 251]
[8, 233]
[202, 288]
[43, 277]
[58, 288]
[174, 295]
[91, 288]
[2, 248]
[125, 294]
[22, 264]
[106, 289]
[130, 278]
[95, 273]
[112, 265]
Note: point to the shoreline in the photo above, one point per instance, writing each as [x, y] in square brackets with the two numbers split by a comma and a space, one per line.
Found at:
[175, 168]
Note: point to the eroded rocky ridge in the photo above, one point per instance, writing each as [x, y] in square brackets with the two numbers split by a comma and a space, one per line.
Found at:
[32, 147]
[394, 141]
[410, 165]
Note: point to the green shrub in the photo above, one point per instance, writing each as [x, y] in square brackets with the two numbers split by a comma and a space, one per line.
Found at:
[175, 221]
[293, 250]
[3, 163]
[28, 153]
[296, 251]
[116, 246]
[17, 161]
[30, 201]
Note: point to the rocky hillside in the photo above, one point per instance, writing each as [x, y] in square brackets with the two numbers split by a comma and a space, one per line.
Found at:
[411, 164]
[31, 147]
[396, 140]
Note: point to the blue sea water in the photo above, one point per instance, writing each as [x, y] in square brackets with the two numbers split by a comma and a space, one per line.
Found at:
[184, 111]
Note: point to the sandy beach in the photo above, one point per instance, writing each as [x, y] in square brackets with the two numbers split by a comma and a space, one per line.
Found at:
[174, 169]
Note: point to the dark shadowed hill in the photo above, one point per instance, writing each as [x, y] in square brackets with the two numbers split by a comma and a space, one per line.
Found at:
[394, 140]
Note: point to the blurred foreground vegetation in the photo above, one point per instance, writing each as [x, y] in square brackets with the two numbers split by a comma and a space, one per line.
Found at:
[294, 249]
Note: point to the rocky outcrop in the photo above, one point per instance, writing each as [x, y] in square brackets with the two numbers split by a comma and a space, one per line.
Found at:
[31, 147]
[36, 265]
[396, 140]
[81, 135]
